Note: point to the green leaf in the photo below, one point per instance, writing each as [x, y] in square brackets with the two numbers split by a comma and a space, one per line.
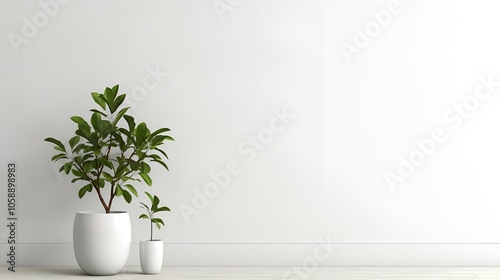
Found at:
[85, 189]
[107, 176]
[130, 122]
[161, 151]
[77, 173]
[114, 90]
[127, 133]
[83, 131]
[118, 101]
[121, 170]
[140, 154]
[145, 168]
[57, 148]
[146, 179]
[164, 208]
[120, 115]
[73, 141]
[150, 197]
[155, 203]
[82, 192]
[94, 139]
[126, 178]
[140, 133]
[98, 98]
[154, 156]
[145, 206]
[134, 165]
[67, 167]
[118, 191]
[119, 139]
[157, 221]
[95, 120]
[106, 126]
[56, 142]
[87, 156]
[99, 112]
[143, 216]
[109, 95]
[127, 196]
[58, 157]
[80, 121]
[106, 163]
[162, 163]
[131, 189]
[78, 148]
[161, 130]
[157, 140]
[77, 179]
[87, 166]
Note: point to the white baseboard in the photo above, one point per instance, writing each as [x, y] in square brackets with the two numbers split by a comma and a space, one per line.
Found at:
[282, 255]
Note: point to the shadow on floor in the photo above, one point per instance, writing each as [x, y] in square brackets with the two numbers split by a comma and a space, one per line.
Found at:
[75, 271]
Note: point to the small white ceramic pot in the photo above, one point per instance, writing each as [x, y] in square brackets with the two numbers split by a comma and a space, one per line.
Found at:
[151, 253]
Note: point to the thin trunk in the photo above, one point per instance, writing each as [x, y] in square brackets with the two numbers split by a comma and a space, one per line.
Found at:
[106, 207]
[151, 230]
[111, 196]
[109, 207]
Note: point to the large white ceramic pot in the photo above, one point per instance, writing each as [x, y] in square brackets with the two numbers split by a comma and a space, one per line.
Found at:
[101, 241]
[151, 255]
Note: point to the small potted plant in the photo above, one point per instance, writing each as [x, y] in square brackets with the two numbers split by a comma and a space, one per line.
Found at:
[107, 156]
[151, 250]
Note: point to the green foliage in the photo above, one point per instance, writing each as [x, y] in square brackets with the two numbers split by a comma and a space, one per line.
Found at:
[105, 154]
[151, 210]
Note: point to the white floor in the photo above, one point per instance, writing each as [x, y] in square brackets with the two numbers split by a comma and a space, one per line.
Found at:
[247, 273]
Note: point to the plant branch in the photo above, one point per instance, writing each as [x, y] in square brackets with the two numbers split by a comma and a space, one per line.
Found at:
[108, 207]
[94, 183]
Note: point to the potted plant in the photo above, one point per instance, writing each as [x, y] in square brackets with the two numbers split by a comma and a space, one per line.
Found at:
[107, 158]
[151, 250]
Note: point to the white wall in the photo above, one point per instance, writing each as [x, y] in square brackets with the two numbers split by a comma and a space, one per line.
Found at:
[320, 177]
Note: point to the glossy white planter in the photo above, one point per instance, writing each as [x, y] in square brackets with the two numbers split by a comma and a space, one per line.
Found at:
[151, 253]
[101, 241]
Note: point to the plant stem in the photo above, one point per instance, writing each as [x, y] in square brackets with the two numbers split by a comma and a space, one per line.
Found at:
[106, 207]
[110, 203]
[151, 230]
[112, 194]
